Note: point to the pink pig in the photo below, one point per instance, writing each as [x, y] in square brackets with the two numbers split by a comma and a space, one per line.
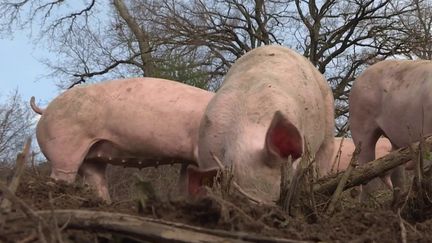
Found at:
[342, 157]
[391, 98]
[137, 122]
[271, 100]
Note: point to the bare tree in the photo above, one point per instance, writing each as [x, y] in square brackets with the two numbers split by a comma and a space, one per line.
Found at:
[151, 38]
[16, 122]
[223, 30]
[341, 37]
[416, 29]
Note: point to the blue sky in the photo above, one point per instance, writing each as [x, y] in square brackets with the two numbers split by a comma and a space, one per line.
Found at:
[20, 68]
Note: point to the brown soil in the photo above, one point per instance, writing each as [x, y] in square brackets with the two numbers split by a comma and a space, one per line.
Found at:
[351, 221]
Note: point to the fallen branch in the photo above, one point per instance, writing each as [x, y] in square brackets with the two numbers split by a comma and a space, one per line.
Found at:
[149, 229]
[19, 168]
[364, 173]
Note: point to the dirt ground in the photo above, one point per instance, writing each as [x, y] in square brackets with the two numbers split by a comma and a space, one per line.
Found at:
[352, 222]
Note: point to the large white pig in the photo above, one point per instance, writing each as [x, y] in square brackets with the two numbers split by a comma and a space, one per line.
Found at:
[271, 101]
[391, 98]
[137, 122]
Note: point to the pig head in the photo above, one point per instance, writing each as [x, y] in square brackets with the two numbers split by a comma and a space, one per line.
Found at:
[137, 122]
[391, 98]
[271, 101]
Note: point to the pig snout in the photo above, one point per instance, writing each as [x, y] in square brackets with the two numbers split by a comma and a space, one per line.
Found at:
[196, 180]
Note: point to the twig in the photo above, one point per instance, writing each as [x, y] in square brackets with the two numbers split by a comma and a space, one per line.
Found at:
[402, 227]
[239, 210]
[285, 183]
[19, 168]
[338, 156]
[30, 238]
[407, 196]
[343, 181]
[292, 193]
[54, 219]
[289, 200]
[33, 154]
[235, 185]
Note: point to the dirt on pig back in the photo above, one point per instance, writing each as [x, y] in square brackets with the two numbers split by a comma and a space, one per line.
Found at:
[351, 222]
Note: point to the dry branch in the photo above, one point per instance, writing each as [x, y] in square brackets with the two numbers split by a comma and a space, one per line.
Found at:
[365, 173]
[149, 229]
[19, 168]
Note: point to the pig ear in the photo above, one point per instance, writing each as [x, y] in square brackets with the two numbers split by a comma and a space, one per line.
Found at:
[283, 138]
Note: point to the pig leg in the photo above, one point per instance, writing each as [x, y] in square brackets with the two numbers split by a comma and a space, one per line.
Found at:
[395, 181]
[398, 181]
[368, 140]
[94, 174]
[66, 156]
[324, 157]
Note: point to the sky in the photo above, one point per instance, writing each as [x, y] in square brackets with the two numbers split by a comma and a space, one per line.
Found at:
[20, 68]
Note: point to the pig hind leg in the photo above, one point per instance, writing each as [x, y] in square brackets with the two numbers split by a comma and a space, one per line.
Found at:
[367, 137]
[395, 179]
[94, 174]
[66, 155]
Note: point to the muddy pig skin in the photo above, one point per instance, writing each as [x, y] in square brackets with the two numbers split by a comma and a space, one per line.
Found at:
[137, 122]
[271, 100]
[391, 98]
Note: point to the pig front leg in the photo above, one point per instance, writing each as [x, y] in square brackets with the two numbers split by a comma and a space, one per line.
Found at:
[94, 174]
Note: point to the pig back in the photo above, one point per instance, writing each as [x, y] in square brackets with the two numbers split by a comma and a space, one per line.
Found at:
[153, 116]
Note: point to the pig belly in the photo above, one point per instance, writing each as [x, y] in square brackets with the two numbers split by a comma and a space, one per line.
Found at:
[110, 153]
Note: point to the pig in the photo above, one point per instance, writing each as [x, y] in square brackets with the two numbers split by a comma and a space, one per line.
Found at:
[342, 154]
[136, 122]
[272, 102]
[391, 98]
